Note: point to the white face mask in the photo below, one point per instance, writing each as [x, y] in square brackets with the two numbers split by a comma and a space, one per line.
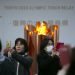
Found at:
[49, 48]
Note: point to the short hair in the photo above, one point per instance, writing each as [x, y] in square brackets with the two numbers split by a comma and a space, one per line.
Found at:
[23, 42]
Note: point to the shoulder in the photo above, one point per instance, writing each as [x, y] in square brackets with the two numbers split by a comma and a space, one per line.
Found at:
[28, 57]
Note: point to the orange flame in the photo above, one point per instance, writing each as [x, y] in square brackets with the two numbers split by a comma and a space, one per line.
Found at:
[26, 27]
[52, 33]
[37, 26]
[55, 27]
[41, 28]
[30, 33]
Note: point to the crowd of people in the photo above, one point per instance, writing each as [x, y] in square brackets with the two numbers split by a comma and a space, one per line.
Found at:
[17, 61]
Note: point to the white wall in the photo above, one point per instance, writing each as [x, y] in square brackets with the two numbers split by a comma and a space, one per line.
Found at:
[33, 10]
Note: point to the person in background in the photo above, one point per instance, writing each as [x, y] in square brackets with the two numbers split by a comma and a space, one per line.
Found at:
[48, 61]
[5, 68]
[20, 58]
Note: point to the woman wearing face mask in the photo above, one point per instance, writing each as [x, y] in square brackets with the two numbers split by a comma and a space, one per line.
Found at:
[48, 62]
[19, 57]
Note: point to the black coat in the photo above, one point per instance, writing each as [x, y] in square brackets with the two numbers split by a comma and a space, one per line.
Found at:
[24, 63]
[48, 65]
[5, 68]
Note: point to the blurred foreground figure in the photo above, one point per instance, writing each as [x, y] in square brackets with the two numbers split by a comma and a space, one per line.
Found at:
[65, 58]
[5, 68]
[71, 69]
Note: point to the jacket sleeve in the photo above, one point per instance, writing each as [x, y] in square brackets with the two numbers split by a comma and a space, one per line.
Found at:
[26, 61]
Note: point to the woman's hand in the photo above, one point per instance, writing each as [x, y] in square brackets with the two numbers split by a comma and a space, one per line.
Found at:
[8, 51]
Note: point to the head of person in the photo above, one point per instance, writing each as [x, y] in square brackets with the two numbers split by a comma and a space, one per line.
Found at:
[0, 46]
[21, 46]
[47, 45]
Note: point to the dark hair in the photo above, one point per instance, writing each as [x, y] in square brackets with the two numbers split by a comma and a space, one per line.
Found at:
[0, 46]
[22, 41]
[44, 43]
